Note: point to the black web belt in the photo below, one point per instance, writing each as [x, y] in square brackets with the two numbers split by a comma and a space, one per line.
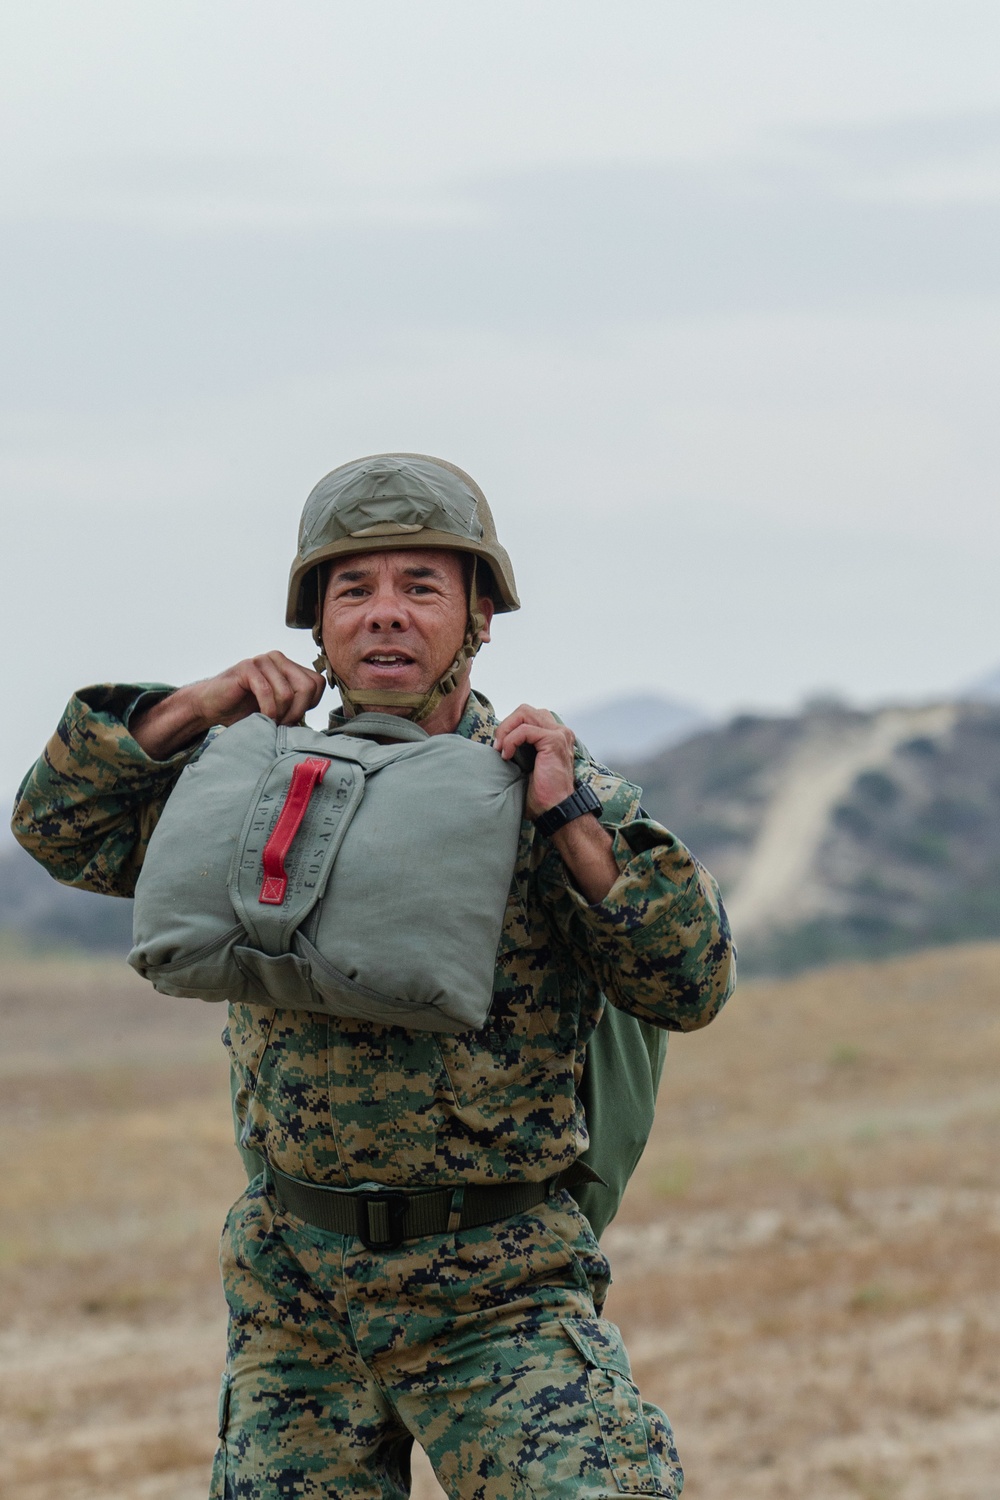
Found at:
[383, 1220]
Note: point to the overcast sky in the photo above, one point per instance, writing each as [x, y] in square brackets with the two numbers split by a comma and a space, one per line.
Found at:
[706, 295]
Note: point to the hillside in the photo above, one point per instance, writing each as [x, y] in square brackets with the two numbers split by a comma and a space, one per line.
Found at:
[838, 832]
[805, 1266]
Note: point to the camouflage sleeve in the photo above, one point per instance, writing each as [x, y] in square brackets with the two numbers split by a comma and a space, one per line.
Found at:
[658, 944]
[89, 804]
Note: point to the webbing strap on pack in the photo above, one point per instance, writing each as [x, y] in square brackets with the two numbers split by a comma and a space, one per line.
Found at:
[305, 778]
[297, 817]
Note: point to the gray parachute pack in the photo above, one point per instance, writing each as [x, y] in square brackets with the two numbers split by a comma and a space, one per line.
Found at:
[326, 871]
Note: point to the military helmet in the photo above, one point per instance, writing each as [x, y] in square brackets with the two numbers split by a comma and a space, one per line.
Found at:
[391, 501]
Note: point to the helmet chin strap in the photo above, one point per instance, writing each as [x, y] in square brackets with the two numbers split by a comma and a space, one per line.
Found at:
[420, 706]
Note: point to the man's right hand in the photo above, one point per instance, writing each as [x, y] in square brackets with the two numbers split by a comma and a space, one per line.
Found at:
[270, 684]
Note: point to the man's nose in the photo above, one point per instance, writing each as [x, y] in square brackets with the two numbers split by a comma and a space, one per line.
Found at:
[387, 611]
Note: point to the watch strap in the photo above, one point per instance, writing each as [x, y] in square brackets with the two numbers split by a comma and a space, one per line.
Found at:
[583, 800]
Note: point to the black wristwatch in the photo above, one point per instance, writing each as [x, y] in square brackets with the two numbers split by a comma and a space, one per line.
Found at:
[583, 800]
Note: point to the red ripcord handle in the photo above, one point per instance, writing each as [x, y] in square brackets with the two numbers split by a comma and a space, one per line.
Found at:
[306, 777]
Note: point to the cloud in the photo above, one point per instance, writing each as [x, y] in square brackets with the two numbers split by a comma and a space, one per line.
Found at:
[943, 160]
[230, 286]
[906, 141]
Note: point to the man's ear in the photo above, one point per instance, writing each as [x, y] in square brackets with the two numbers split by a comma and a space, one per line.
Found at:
[488, 610]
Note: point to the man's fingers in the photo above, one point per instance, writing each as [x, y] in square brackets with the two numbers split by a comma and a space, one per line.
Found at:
[270, 684]
[305, 695]
[308, 692]
[290, 690]
[538, 729]
[540, 735]
[259, 684]
[283, 690]
[524, 714]
[290, 687]
[551, 779]
[309, 688]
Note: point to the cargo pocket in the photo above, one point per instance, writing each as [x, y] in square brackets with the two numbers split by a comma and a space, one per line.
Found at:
[638, 1440]
[218, 1486]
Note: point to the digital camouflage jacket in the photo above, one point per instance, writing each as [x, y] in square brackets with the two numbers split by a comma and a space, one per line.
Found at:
[345, 1102]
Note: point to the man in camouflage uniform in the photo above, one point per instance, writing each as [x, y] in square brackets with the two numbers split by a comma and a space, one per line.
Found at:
[484, 1340]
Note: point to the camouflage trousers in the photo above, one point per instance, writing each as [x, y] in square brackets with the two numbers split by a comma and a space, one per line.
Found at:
[486, 1346]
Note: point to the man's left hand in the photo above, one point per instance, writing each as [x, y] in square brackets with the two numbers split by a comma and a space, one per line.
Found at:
[551, 781]
[584, 845]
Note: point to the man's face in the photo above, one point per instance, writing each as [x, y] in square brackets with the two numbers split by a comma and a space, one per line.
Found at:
[395, 619]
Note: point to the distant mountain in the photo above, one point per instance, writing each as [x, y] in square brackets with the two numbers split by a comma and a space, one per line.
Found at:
[635, 726]
[986, 689]
[836, 832]
[42, 914]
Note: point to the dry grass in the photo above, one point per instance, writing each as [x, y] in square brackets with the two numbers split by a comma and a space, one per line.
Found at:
[806, 1270]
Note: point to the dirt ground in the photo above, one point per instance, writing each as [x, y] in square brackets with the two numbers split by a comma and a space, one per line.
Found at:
[807, 1268]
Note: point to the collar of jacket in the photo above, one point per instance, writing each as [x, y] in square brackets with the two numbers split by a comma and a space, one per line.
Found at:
[478, 721]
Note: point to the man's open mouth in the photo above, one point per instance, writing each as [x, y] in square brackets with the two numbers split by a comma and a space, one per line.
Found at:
[388, 659]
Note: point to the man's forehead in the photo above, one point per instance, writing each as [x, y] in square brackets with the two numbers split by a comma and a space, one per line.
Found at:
[410, 560]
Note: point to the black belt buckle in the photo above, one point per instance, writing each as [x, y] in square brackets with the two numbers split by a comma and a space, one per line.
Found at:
[389, 1218]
